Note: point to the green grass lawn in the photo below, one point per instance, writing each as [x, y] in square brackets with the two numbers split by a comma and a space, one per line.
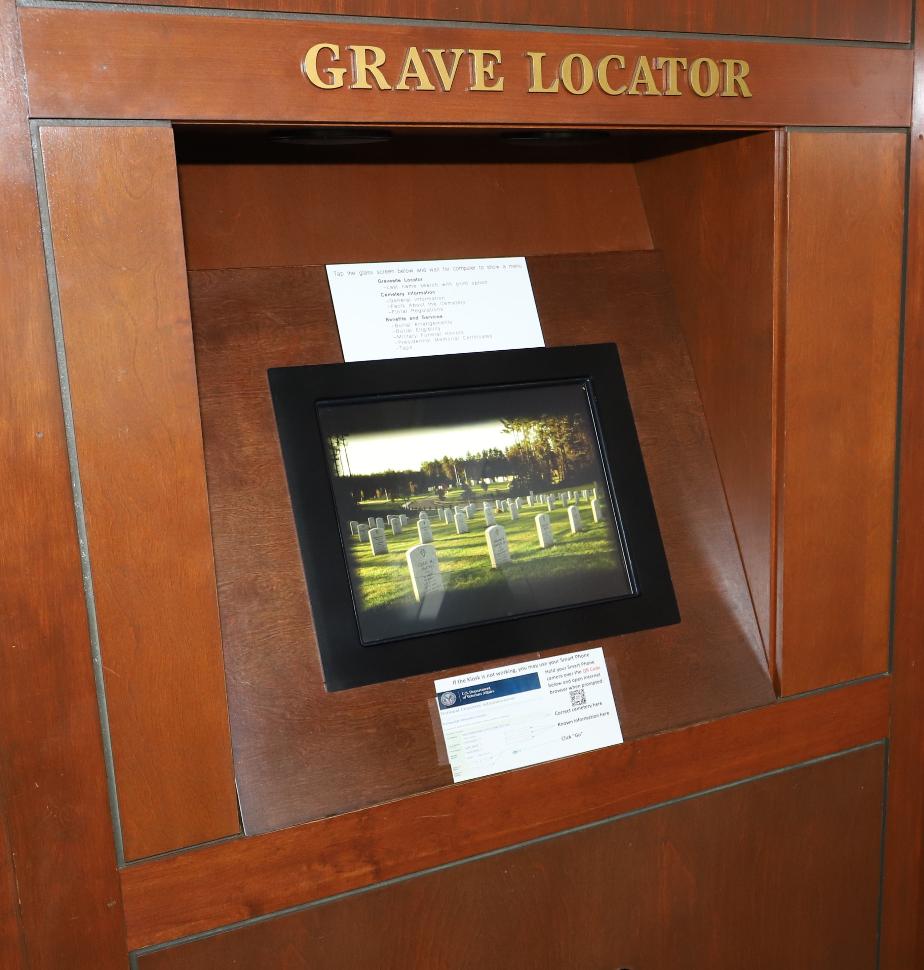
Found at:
[464, 562]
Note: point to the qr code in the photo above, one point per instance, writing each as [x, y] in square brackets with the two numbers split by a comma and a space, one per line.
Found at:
[578, 696]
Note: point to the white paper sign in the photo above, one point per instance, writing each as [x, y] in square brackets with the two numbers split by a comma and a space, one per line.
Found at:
[510, 717]
[428, 307]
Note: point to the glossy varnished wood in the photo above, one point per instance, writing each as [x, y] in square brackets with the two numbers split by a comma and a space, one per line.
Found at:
[218, 885]
[125, 313]
[698, 202]
[56, 845]
[520, 199]
[92, 64]
[885, 20]
[840, 371]
[302, 753]
[903, 890]
[645, 892]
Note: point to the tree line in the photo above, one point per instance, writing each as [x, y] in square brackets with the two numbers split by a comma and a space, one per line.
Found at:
[544, 452]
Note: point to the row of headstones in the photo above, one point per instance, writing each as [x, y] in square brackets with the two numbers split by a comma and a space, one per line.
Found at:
[512, 506]
[575, 519]
[565, 498]
[424, 566]
[379, 545]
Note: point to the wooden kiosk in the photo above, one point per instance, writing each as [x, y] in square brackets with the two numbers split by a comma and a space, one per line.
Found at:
[728, 191]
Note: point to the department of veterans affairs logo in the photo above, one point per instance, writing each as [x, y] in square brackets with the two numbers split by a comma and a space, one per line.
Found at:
[448, 699]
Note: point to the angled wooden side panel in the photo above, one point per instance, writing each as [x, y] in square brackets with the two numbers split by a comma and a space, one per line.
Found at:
[54, 814]
[711, 212]
[839, 387]
[119, 259]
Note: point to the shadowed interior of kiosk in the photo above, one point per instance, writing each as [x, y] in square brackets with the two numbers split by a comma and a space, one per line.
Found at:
[634, 238]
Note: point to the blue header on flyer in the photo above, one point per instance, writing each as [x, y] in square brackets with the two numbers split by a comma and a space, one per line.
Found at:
[488, 692]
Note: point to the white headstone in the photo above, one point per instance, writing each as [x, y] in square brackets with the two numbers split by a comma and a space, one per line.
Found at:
[424, 532]
[489, 516]
[461, 523]
[380, 524]
[371, 521]
[574, 519]
[424, 568]
[486, 506]
[353, 526]
[544, 530]
[529, 498]
[514, 511]
[362, 532]
[404, 519]
[396, 525]
[498, 504]
[596, 507]
[423, 517]
[498, 547]
[471, 509]
[550, 502]
[595, 491]
[377, 541]
[584, 494]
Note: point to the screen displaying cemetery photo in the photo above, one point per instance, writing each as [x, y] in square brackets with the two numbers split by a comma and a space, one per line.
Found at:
[470, 507]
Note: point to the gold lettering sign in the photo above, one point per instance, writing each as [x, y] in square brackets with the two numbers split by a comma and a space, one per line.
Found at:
[366, 67]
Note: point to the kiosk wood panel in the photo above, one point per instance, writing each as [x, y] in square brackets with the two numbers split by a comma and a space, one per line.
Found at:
[90, 64]
[125, 313]
[887, 20]
[381, 203]
[54, 810]
[840, 373]
[187, 893]
[903, 891]
[770, 873]
[759, 909]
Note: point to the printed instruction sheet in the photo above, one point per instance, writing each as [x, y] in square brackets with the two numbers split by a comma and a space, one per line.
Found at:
[429, 307]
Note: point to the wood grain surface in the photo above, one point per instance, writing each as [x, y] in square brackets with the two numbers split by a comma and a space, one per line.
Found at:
[104, 64]
[903, 889]
[54, 811]
[885, 20]
[840, 372]
[723, 881]
[712, 213]
[251, 201]
[218, 885]
[125, 311]
[13, 952]
[301, 753]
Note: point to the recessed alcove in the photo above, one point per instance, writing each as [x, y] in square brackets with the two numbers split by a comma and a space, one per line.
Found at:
[614, 228]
